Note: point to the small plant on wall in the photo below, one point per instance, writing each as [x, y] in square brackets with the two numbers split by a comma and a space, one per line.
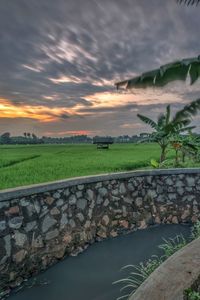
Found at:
[192, 295]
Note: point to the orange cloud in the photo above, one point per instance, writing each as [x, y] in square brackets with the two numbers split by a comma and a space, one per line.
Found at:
[40, 113]
[98, 100]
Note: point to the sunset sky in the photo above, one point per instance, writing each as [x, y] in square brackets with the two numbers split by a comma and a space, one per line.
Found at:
[59, 60]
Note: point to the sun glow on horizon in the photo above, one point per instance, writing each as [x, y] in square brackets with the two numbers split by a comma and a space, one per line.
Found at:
[39, 112]
[99, 100]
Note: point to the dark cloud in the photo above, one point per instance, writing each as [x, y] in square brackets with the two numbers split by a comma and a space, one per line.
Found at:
[57, 53]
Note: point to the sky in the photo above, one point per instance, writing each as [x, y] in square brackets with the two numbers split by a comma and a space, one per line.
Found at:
[59, 61]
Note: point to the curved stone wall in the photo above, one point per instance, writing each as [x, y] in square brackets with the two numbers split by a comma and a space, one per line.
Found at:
[43, 223]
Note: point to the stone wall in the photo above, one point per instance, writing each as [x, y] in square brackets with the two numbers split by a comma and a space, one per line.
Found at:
[43, 223]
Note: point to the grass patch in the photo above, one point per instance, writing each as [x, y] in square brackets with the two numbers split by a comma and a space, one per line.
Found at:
[139, 273]
[12, 162]
[170, 246]
[30, 164]
[54, 162]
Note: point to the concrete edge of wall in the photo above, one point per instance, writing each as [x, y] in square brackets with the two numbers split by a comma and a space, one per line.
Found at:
[60, 184]
[173, 276]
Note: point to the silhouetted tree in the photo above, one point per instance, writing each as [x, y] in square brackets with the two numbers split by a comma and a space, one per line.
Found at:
[5, 138]
[34, 136]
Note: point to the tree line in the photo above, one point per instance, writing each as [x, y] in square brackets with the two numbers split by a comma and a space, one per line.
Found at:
[31, 138]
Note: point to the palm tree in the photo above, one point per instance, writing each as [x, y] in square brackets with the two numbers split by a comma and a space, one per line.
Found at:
[166, 126]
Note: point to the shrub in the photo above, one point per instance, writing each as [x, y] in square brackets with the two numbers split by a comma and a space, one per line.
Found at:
[196, 230]
[172, 245]
[138, 274]
[192, 295]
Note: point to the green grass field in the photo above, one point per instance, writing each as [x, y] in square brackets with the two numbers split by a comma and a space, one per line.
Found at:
[24, 165]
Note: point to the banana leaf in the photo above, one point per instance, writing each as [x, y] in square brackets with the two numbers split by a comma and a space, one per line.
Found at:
[189, 2]
[178, 70]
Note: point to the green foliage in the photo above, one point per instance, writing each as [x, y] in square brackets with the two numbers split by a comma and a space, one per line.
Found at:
[148, 121]
[168, 129]
[178, 70]
[29, 164]
[196, 230]
[185, 147]
[164, 164]
[137, 275]
[19, 164]
[155, 164]
[172, 245]
[183, 116]
[189, 2]
[192, 295]
[5, 138]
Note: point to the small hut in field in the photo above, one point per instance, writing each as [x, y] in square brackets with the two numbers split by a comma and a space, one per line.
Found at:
[103, 142]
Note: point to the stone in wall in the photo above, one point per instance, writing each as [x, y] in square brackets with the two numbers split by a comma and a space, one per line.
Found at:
[38, 229]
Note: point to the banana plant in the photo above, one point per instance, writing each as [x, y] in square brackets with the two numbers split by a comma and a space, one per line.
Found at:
[182, 145]
[189, 147]
[167, 126]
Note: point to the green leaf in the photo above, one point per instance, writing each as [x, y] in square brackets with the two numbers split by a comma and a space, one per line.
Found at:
[171, 72]
[154, 163]
[189, 128]
[147, 120]
[194, 72]
[187, 112]
[189, 2]
[177, 70]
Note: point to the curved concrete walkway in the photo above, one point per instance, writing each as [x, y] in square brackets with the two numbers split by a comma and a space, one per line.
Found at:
[175, 275]
[90, 275]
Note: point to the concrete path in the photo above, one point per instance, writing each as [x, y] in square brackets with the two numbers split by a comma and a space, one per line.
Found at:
[89, 276]
[174, 276]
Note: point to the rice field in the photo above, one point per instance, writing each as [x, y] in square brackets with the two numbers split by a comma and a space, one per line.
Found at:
[23, 165]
